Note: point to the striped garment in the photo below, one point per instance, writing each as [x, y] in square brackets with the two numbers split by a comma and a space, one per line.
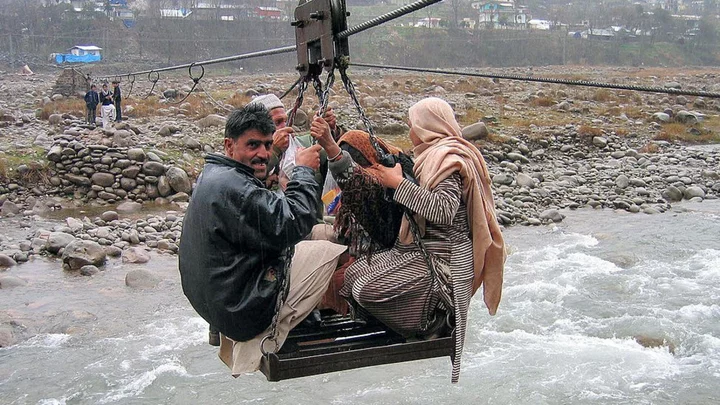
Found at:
[396, 287]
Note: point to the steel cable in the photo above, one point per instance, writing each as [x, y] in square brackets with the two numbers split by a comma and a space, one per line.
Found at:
[569, 82]
[407, 9]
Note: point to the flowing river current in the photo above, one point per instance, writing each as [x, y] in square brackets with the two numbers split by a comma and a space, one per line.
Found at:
[578, 298]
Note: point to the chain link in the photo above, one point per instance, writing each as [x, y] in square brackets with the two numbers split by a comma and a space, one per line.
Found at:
[383, 157]
[282, 295]
[298, 101]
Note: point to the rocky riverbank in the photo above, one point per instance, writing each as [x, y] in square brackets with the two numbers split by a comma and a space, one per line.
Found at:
[548, 148]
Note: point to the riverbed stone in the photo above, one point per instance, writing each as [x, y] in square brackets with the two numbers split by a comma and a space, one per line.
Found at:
[89, 270]
[163, 186]
[693, 192]
[135, 255]
[128, 184]
[179, 197]
[622, 181]
[128, 207]
[178, 180]
[8, 281]
[83, 252]
[136, 154]
[672, 194]
[475, 131]
[212, 120]
[113, 251]
[109, 216]
[503, 179]
[57, 241]
[600, 141]
[103, 179]
[523, 180]
[152, 168]
[6, 261]
[9, 208]
[141, 279]
[552, 215]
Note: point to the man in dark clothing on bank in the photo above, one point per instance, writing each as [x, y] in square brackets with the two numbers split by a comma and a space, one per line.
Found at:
[238, 237]
[92, 99]
[117, 100]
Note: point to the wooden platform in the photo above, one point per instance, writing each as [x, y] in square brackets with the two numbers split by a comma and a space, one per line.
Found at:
[339, 344]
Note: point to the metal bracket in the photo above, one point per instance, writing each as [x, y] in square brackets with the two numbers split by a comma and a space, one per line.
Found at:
[316, 24]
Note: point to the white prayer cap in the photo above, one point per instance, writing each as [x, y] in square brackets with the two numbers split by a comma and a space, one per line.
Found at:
[270, 101]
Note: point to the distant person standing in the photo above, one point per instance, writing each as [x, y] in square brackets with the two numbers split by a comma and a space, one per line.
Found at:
[107, 111]
[92, 99]
[117, 99]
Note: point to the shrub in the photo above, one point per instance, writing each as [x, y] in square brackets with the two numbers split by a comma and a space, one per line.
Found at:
[72, 106]
[542, 102]
[587, 131]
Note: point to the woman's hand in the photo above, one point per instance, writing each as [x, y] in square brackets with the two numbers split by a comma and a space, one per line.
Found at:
[320, 131]
[389, 177]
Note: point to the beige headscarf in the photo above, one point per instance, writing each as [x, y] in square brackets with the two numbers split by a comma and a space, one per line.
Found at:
[443, 152]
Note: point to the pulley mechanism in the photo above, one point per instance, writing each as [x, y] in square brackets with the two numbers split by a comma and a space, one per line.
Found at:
[317, 23]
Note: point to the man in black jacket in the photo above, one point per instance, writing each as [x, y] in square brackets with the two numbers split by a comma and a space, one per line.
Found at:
[92, 99]
[238, 239]
[117, 100]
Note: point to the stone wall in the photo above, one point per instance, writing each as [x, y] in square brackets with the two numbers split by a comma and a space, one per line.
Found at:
[113, 174]
[71, 82]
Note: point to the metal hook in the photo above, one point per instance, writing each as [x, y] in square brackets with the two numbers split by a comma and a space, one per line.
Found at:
[131, 79]
[154, 82]
[157, 76]
[202, 72]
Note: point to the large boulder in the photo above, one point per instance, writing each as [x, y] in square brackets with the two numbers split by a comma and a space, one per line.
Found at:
[81, 253]
[212, 120]
[178, 180]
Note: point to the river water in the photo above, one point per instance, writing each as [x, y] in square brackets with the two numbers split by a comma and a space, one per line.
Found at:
[576, 298]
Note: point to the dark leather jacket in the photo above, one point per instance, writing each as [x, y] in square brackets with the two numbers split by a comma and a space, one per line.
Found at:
[235, 239]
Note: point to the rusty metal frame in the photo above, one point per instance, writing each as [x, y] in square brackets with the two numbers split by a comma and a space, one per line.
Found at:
[342, 344]
[316, 24]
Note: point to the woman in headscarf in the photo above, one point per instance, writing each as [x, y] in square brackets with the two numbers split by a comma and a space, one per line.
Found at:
[368, 220]
[454, 215]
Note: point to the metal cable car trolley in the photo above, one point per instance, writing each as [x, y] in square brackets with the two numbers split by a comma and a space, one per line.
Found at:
[339, 343]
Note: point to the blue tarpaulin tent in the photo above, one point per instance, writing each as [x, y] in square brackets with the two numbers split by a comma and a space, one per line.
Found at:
[80, 54]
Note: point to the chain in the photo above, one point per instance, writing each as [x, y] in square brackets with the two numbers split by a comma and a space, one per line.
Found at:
[217, 103]
[323, 95]
[298, 101]
[132, 85]
[384, 158]
[291, 87]
[282, 295]
[154, 81]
